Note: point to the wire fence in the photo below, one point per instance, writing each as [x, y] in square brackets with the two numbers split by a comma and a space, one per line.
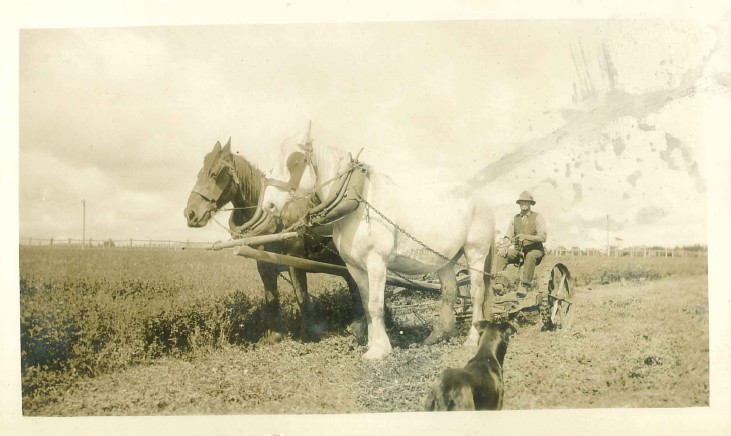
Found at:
[113, 243]
[189, 245]
[632, 252]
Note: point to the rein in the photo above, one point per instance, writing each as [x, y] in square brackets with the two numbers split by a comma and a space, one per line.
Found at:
[228, 209]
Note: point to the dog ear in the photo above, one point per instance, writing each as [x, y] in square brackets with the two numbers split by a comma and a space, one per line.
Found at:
[481, 325]
[508, 329]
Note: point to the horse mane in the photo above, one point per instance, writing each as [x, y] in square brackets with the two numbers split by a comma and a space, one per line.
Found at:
[329, 159]
[250, 178]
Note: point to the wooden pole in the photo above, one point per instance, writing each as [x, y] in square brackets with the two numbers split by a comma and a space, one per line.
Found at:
[326, 268]
[253, 240]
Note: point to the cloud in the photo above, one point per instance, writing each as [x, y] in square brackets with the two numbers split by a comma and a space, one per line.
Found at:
[123, 117]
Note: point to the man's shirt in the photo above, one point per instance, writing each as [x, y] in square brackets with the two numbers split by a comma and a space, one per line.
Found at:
[540, 226]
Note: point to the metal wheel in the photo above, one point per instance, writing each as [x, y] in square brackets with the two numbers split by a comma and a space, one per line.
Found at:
[560, 310]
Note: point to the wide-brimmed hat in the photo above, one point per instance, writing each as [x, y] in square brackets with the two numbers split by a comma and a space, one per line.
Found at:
[525, 196]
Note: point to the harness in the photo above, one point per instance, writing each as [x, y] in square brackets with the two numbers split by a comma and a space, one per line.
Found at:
[343, 200]
[213, 193]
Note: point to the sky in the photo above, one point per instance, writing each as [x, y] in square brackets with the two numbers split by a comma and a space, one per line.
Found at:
[122, 117]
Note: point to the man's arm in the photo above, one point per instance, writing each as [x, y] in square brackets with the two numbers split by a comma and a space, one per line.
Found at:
[511, 229]
[541, 234]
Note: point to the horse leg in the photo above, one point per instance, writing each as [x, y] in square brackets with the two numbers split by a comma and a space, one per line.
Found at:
[445, 326]
[358, 327]
[476, 260]
[371, 284]
[360, 277]
[378, 343]
[308, 329]
[271, 316]
[492, 263]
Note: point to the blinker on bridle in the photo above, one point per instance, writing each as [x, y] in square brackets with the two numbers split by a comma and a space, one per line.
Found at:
[213, 193]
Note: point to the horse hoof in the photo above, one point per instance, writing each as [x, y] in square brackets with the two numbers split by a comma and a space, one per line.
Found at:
[376, 353]
[314, 334]
[271, 337]
[359, 329]
[437, 336]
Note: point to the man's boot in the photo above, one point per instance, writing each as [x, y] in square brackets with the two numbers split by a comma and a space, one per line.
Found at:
[523, 289]
[499, 283]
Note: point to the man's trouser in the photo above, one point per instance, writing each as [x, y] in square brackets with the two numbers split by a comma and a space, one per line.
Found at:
[532, 258]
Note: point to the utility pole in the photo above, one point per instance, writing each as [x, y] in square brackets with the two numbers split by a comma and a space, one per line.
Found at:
[608, 235]
[83, 231]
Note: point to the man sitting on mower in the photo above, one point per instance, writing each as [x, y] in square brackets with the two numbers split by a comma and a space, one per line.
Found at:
[522, 244]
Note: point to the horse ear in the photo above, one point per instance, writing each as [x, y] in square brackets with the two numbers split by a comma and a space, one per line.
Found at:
[227, 147]
[217, 147]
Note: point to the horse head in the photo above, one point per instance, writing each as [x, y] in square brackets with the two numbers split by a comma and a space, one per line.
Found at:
[302, 172]
[293, 177]
[213, 188]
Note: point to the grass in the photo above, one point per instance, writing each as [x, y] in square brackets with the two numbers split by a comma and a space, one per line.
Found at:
[591, 270]
[86, 315]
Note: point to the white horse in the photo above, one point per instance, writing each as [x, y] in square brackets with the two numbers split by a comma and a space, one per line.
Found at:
[404, 229]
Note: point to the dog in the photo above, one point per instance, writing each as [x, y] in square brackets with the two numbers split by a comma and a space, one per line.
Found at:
[479, 385]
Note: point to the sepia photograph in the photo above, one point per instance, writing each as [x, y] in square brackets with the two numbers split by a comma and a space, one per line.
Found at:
[371, 219]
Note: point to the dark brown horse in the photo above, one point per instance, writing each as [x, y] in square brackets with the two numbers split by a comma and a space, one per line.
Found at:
[230, 178]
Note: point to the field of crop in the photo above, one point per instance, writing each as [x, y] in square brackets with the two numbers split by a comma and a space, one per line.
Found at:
[140, 332]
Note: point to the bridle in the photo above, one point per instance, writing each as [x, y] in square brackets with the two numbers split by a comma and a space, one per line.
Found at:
[212, 194]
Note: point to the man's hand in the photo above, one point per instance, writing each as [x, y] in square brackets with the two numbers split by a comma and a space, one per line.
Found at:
[502, 251]
[521, 237]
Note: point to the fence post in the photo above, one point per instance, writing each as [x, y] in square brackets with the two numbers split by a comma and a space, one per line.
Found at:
[130, 242]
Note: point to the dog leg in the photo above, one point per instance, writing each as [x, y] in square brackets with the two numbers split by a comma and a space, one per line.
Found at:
[462, 399]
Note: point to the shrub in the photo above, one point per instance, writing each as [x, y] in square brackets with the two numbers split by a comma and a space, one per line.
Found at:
[88, 312]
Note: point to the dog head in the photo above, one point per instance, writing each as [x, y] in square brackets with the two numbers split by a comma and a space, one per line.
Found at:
[495, 337]
[505, 328]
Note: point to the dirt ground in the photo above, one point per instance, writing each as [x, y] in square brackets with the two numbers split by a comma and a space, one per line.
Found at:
[631, 345]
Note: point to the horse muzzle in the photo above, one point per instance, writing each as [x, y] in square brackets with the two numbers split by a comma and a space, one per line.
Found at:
[197, 219]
